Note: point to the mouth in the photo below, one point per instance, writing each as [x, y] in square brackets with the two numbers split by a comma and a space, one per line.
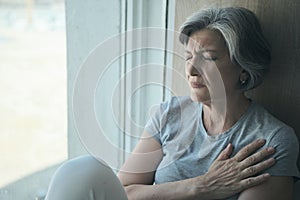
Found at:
[196, 85]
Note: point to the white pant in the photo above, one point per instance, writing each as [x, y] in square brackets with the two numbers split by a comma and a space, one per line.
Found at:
[85, 178]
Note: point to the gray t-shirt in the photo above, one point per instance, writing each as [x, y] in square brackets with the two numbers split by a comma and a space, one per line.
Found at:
[188, 151]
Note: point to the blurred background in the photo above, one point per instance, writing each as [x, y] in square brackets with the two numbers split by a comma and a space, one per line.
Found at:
[43, 44]
[33, 102]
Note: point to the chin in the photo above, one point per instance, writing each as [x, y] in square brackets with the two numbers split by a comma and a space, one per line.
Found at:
[199, 98]
[199, 95]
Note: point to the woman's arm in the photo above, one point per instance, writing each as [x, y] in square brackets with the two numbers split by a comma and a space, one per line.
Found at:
[226, 177]
[276, 188]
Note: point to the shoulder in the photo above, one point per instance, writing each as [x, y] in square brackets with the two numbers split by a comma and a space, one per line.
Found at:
[278, 135]
[177, 101]
[265, 121]
[262, 124]
[282, 137]
[174, 105]
[168, 113]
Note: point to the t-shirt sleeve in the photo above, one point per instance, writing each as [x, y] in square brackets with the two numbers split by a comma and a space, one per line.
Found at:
[154, 124]
[287, 149]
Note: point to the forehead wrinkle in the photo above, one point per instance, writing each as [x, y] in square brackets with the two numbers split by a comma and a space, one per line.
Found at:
[214, 39]
[199, 49]
[201, 41]
[196, 46]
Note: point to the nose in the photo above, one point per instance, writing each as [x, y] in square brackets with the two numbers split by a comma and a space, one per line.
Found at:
[192, 69]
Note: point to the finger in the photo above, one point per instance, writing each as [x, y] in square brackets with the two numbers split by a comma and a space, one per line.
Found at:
[249, 149]
[257, 157]
[225, 154]
[253, 181]
[252, 170]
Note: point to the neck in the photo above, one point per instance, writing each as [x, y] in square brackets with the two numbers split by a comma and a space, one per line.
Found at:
[221, 116]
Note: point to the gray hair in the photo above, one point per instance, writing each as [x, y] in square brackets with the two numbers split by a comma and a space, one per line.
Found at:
[243, 36]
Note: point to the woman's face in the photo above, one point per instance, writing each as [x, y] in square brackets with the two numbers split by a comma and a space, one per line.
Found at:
[210, 73]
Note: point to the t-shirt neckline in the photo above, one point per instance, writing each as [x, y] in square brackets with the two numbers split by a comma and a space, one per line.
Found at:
[228, 131]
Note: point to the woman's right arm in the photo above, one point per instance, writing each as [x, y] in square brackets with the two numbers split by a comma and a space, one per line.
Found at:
[137, 174]
[226, 176]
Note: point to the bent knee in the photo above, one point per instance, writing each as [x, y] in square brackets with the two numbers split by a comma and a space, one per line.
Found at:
[84, 176]
[84, 168]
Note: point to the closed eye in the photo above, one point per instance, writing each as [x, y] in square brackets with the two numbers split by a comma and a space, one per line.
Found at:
[209, 58]
[208, 55]
[188, 58]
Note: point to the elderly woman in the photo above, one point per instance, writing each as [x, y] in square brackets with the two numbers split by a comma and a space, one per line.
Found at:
[203, 146]
[226, 55]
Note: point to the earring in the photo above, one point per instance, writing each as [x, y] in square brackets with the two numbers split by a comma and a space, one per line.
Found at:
[243, 82]
[244, 76]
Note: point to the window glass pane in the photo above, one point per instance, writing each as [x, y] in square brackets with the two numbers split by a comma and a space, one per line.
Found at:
[33, 130]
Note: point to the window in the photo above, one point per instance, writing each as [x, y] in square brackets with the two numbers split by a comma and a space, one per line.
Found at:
[96, 31]
[33, 104]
